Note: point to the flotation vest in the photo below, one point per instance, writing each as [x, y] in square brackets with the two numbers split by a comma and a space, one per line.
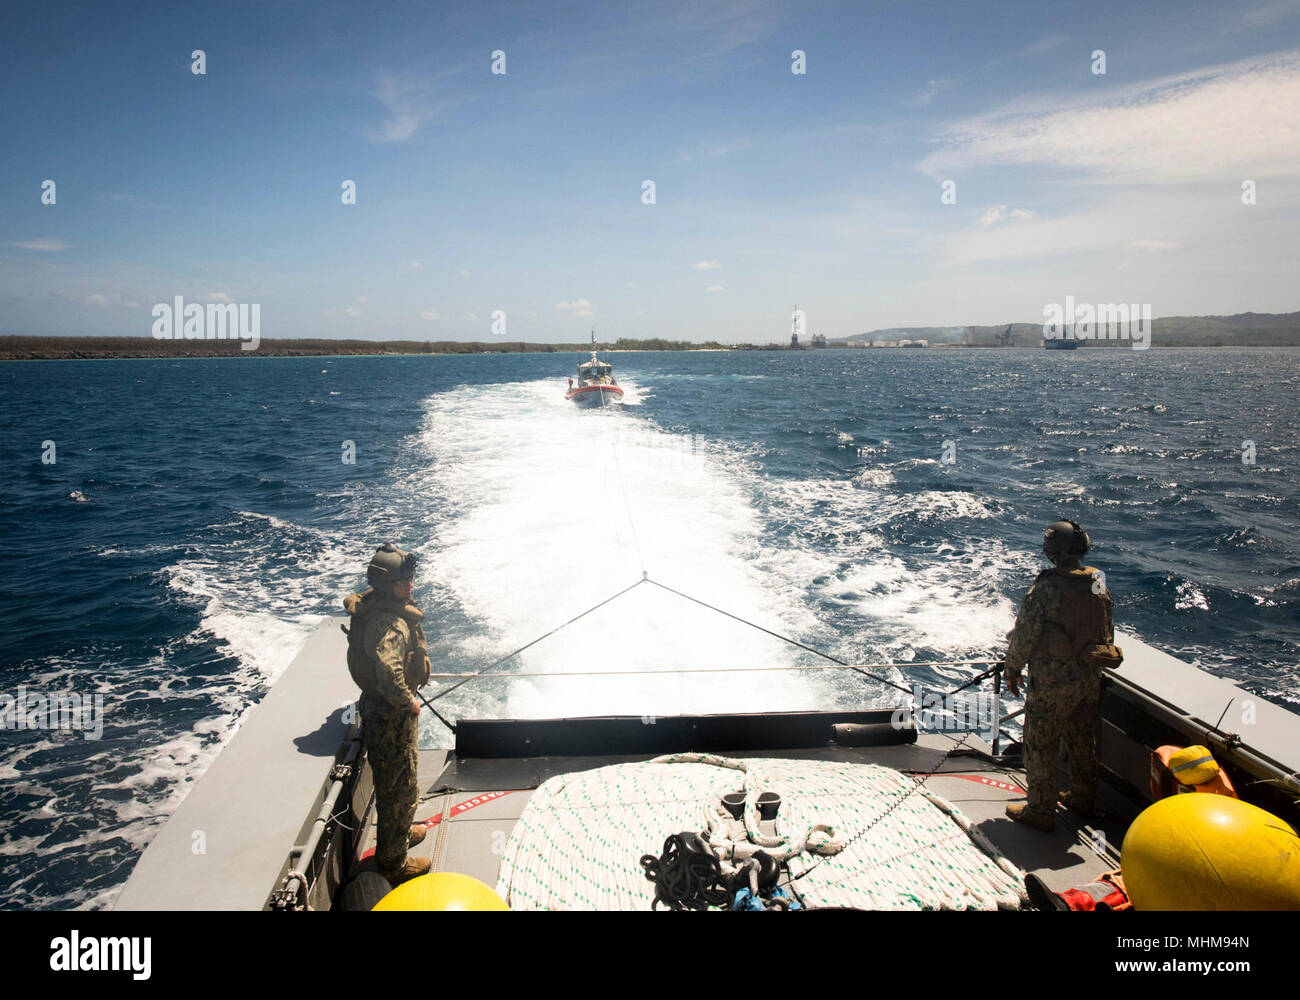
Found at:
[1082, 617]
[1106, 893]
[1187, 769]
[361, 664]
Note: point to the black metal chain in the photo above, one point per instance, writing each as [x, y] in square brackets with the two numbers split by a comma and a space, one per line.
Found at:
[893, 805]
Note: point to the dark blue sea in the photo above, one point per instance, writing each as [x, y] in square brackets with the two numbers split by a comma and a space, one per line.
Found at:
[198, 521]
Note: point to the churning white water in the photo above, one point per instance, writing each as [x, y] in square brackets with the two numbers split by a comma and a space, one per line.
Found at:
[543, 510]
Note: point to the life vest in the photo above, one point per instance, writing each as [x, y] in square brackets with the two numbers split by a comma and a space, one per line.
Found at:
[361, 664]
[1106, 893]
[1082, 618]
[1187, 769]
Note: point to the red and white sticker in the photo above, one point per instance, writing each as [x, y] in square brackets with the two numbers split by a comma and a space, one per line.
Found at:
[466, 806]
[1005, 786]
[456, 810]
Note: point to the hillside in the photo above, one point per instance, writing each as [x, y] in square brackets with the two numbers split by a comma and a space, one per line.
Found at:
[1242, 330]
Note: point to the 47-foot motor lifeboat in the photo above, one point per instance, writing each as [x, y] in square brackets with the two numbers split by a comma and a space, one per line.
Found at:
[595, 385]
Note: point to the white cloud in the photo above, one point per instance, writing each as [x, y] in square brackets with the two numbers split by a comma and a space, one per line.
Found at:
[714, 288]
[706, 265]
[116, 299]
[406, 106]
[932, 89]
[1034, 239]
[578, 307]
[429, 314]
[1118, 220]
[415, 265]
[351, 310]
[465, 272]
[1269, 13]
[219, 297]
[1152, 245]
[713, 152]
[1045, 44]
[46, 244]
[1235, 121]
[1000, 213]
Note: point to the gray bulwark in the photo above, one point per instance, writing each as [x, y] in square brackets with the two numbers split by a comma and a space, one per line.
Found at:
[251, 802]
[1269, 731]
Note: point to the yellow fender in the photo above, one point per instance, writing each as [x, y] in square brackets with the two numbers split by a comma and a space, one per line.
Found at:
[1210, 852]
[442, 891]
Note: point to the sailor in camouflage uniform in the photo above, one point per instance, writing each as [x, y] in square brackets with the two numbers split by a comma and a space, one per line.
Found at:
[388, 658]
[1065, 613]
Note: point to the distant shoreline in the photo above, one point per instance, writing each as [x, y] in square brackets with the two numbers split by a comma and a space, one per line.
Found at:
[1243, 330]
[20, 348]
[249, 355]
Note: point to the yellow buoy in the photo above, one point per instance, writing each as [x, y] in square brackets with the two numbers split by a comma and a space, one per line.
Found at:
[442, 891]
[1210, 852]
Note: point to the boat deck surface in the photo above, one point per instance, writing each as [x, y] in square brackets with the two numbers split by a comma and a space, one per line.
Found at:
[474, 824]
[259, 797]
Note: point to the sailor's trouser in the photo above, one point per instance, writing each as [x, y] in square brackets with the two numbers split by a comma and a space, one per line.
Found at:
[391, 749]
[1062, 705]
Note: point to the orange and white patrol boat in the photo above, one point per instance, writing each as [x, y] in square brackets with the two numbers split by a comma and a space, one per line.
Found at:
[595, 385]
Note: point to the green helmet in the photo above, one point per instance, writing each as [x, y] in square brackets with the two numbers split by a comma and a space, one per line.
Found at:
[390, 565]
[1065, 540]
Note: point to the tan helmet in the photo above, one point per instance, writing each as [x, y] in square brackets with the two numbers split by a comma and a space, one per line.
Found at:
[390, 565]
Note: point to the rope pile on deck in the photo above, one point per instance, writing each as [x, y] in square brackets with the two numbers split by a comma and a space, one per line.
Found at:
[578, 842]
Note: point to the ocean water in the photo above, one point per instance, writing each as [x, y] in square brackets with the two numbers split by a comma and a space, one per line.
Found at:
[199, 520]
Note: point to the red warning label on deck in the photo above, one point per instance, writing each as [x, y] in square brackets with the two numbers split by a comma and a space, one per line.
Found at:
[1005, 786]
[478, 800]
[461, 807]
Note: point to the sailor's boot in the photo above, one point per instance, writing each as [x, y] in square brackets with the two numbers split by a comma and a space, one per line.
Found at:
[1088, 810]
[412, 868]
[417, 834]
[1021, 813]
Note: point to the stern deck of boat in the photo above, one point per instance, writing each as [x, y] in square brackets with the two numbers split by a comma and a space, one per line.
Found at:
[475, 819]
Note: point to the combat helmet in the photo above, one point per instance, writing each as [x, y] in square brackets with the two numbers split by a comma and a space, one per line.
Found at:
[390, 565]
[1065, 540]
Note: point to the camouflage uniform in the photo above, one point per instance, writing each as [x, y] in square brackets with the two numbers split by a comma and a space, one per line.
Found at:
[1059, 616]
[388, 638]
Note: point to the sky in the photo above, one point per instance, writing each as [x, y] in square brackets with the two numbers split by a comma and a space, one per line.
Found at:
[522, 193]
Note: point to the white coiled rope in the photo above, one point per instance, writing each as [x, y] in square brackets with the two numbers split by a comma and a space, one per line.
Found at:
[579, 841]
[737, 840]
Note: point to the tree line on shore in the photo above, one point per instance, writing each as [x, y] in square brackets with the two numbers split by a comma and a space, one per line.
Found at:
[1241, 330]
[17, 348]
